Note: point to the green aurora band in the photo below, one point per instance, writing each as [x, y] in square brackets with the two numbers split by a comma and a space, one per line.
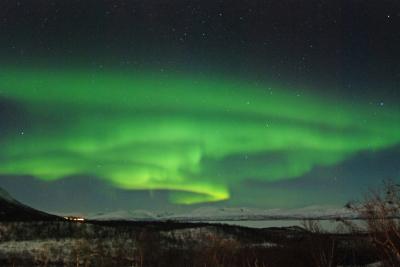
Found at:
[194, 137]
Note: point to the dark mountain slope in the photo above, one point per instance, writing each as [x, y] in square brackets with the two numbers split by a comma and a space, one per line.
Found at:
[12, 210]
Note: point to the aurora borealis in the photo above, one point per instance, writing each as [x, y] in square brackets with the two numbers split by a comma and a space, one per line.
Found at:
[196, 130]
[145, 132]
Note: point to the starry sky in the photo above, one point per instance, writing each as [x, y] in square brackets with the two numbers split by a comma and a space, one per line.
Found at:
[174, 105]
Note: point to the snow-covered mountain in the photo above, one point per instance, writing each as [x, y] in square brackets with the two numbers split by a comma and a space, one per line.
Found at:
[227, 214]
[231, 214]
[141, 215]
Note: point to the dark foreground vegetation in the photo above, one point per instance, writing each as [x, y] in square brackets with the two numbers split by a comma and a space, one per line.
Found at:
[176, 244]
[122, 243]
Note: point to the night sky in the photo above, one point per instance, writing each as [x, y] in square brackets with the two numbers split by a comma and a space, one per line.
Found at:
[174, 105]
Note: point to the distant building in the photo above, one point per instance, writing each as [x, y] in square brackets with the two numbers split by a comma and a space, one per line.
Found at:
[74, 218]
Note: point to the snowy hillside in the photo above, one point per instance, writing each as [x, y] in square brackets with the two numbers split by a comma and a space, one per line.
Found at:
[231, 214]
[226, 214]
[124, 215]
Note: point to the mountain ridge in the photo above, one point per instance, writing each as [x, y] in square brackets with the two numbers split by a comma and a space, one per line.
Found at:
[231, 214]
[13, 210]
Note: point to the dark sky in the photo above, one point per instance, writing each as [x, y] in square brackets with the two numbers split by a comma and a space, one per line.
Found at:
[160, 104]
[333, 41]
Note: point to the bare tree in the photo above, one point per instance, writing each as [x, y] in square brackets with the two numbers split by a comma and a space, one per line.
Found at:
[321, 246]
[380, 211]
